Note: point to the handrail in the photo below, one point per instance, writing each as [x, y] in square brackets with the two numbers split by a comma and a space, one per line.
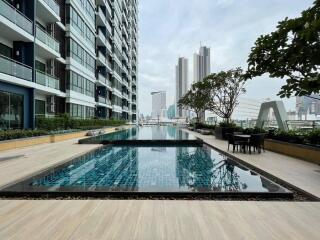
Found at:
[11, 16]
[56, 44]
[17, 62]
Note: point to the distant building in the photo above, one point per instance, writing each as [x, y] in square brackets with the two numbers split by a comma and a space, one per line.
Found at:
[181, 85]
[201, 64]
[308, 105]
[159, 105]
[201, 67]
[171, 113]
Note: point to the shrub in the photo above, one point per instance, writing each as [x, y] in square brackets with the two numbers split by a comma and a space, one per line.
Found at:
[205, 126]
[16, 134]
[227, 125]
[314, 137]
[65, 122]
[250, 131]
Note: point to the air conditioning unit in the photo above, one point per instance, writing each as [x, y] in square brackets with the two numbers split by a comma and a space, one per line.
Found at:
[51, 104]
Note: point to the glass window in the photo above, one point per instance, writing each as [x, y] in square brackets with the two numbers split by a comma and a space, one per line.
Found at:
[40, 107]
[11, 110]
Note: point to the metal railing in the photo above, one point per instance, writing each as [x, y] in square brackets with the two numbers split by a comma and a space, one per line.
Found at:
[53, 5]
[44, 37]
[16, 17]
[47, 80]
[14, 68]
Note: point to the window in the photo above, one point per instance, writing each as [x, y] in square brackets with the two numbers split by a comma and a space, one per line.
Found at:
[40, 108]
[81, 56]
[11, 110]
[77, 83]
[5, 51]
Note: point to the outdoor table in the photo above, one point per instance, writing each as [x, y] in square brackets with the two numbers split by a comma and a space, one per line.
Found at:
[245, 138]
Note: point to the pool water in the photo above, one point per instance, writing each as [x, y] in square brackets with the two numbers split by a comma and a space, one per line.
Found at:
[150, 169]
[144, 133]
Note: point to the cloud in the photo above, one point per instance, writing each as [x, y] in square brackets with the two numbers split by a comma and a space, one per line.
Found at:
[169, 29]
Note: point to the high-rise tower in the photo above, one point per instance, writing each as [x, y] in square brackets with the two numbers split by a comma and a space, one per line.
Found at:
[181, 85]
[201, 64]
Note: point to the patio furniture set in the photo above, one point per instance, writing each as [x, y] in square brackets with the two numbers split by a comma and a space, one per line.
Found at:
[244, 142]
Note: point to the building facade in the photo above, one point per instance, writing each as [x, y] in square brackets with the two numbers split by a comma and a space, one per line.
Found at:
[201, 64]
[308, 107]
[77, 57]
[159, 105]
[181, 85]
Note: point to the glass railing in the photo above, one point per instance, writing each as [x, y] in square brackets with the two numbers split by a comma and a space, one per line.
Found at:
[44, 37]
[108, 8]
[101, 78]
[13, 15]
[125, 108]
[102, 36]
[47, 80]
[53, 5]
[109, 28]
[102, 100]
[101, 57]
[101, 15]
[14, 68]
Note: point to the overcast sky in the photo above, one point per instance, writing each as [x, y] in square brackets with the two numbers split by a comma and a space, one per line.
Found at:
[172, 28]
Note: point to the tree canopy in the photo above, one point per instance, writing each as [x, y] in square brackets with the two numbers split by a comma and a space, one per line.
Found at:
[291, 52]
[224, 88]
[195, 100]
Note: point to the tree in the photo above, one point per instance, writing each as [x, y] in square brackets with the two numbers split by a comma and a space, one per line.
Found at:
[195, 100]
[224, 90]
[291, 52]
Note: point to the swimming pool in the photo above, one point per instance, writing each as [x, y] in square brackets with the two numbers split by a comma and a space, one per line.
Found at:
[149, 170]
[154, 133]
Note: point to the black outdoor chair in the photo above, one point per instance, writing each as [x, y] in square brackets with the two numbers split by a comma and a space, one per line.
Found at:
[235, 142]
[257, 142]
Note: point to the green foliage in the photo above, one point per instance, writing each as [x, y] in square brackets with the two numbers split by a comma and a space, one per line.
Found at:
[256, 130]
[291, 52]
[65, 122]
[227, 125]
[195, 99]
[16, 134]
[204, 126]
[224, 88]
[299, 137]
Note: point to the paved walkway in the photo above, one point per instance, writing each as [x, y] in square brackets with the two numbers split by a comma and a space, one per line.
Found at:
[131, 219]
[183, 220]
[300, 173]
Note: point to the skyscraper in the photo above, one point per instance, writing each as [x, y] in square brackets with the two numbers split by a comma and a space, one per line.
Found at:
[201, 64]
[181, 85]
[77, 57]
[159, 104]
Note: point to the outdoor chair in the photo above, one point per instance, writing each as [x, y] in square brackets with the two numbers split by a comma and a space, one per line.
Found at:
[235, 142]
[257, 142]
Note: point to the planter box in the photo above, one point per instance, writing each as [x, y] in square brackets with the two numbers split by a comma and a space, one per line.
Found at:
[221, 132]
[304, 152]
[26, 142]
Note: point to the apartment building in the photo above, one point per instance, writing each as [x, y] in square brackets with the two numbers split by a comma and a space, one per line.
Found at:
[67, 56]
[159, 105]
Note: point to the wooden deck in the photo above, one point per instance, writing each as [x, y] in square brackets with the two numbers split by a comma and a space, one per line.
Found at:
[131, 219]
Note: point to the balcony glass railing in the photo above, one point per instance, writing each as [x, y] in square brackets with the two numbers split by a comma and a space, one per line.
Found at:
[53, 5]
[101, 15]
[101, 78]
[101, 57]
[14, 68]
[109, 28]
[102, 100]
[47, 39]
[47, 80]
[102, 36]
[13, 15]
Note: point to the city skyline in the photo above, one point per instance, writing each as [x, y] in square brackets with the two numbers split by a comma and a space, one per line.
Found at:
[199, 23]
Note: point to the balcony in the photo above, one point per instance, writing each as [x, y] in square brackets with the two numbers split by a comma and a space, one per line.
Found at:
[109, 11]
[101, 38]
[48, 47]
[125, 108]
[101, 59]
[102, 100]
[101, 78]
[109, 28]
[15, 25]
[125, 95]
[101, 17]
[47, 80]
[16, 69]
[48, 11]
